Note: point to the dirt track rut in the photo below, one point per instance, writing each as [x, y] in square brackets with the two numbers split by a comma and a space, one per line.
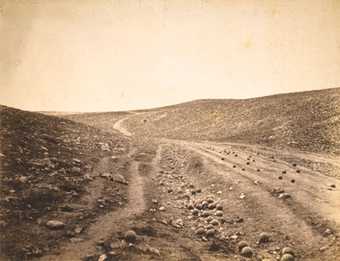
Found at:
[105, 225]
[299, 221]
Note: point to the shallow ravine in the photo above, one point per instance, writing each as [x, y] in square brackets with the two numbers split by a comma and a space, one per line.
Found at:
[163, 177]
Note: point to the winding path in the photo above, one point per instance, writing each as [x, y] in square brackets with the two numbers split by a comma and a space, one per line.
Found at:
[118, 125]
[309, 192]
[109, 223]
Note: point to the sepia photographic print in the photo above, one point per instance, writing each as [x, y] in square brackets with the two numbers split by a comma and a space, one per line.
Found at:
[173, 130]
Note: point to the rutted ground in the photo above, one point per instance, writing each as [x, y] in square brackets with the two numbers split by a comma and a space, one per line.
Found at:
[210, 201]
[84, 246]
[186, 200]
[202, 208]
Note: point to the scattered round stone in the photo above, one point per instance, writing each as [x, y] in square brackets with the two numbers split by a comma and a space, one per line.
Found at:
[112, 254]
[280, 177]
[284, 172]
[321, 249]
[210, 200]
[55, 224]
[190, 206]
[219, 207]
[234, 166]
[200, 231]
[130, 236]
[287, 257]
[288, 250]
[264, 238]
[23, 179]
[76, 170]
[195, 212]
[102, 257]
[205, 204]
[333, 186]
[219, 213]
[209, 226]
[284, 195]
[293, 181]
[162, 208]
[258, 170]
[210, 232]
[178, 223]
[247, 252]
[212, 206]
[327, 232]
[205, 214]
[214, 222]
[298, 171]
[242, 244]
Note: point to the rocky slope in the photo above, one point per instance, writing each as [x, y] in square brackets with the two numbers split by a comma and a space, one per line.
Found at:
[102, 120]
[46, 172]
[158, 185]
[307, 120]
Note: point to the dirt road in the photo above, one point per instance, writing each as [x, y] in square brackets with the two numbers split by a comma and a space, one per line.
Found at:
[279, 192]
[105, 225]
[118, 125]
[199, 200]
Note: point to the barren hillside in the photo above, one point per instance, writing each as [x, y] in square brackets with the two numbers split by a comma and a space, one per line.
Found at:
[47, 165]
[197, 181]
[308, 120]
[102, 120]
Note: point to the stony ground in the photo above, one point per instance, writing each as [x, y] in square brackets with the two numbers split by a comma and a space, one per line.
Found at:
[53, 180]
[308, 121]
[75, 192]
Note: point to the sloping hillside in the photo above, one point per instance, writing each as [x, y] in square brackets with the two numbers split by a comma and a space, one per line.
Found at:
[46, 167]
[104, 186]
[102, 120]
[306, 120]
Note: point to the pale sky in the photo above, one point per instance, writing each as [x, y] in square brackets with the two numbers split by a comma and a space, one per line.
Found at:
[102, 55]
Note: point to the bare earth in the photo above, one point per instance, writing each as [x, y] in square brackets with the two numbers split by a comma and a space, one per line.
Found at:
[301, 221]
[193, 199]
